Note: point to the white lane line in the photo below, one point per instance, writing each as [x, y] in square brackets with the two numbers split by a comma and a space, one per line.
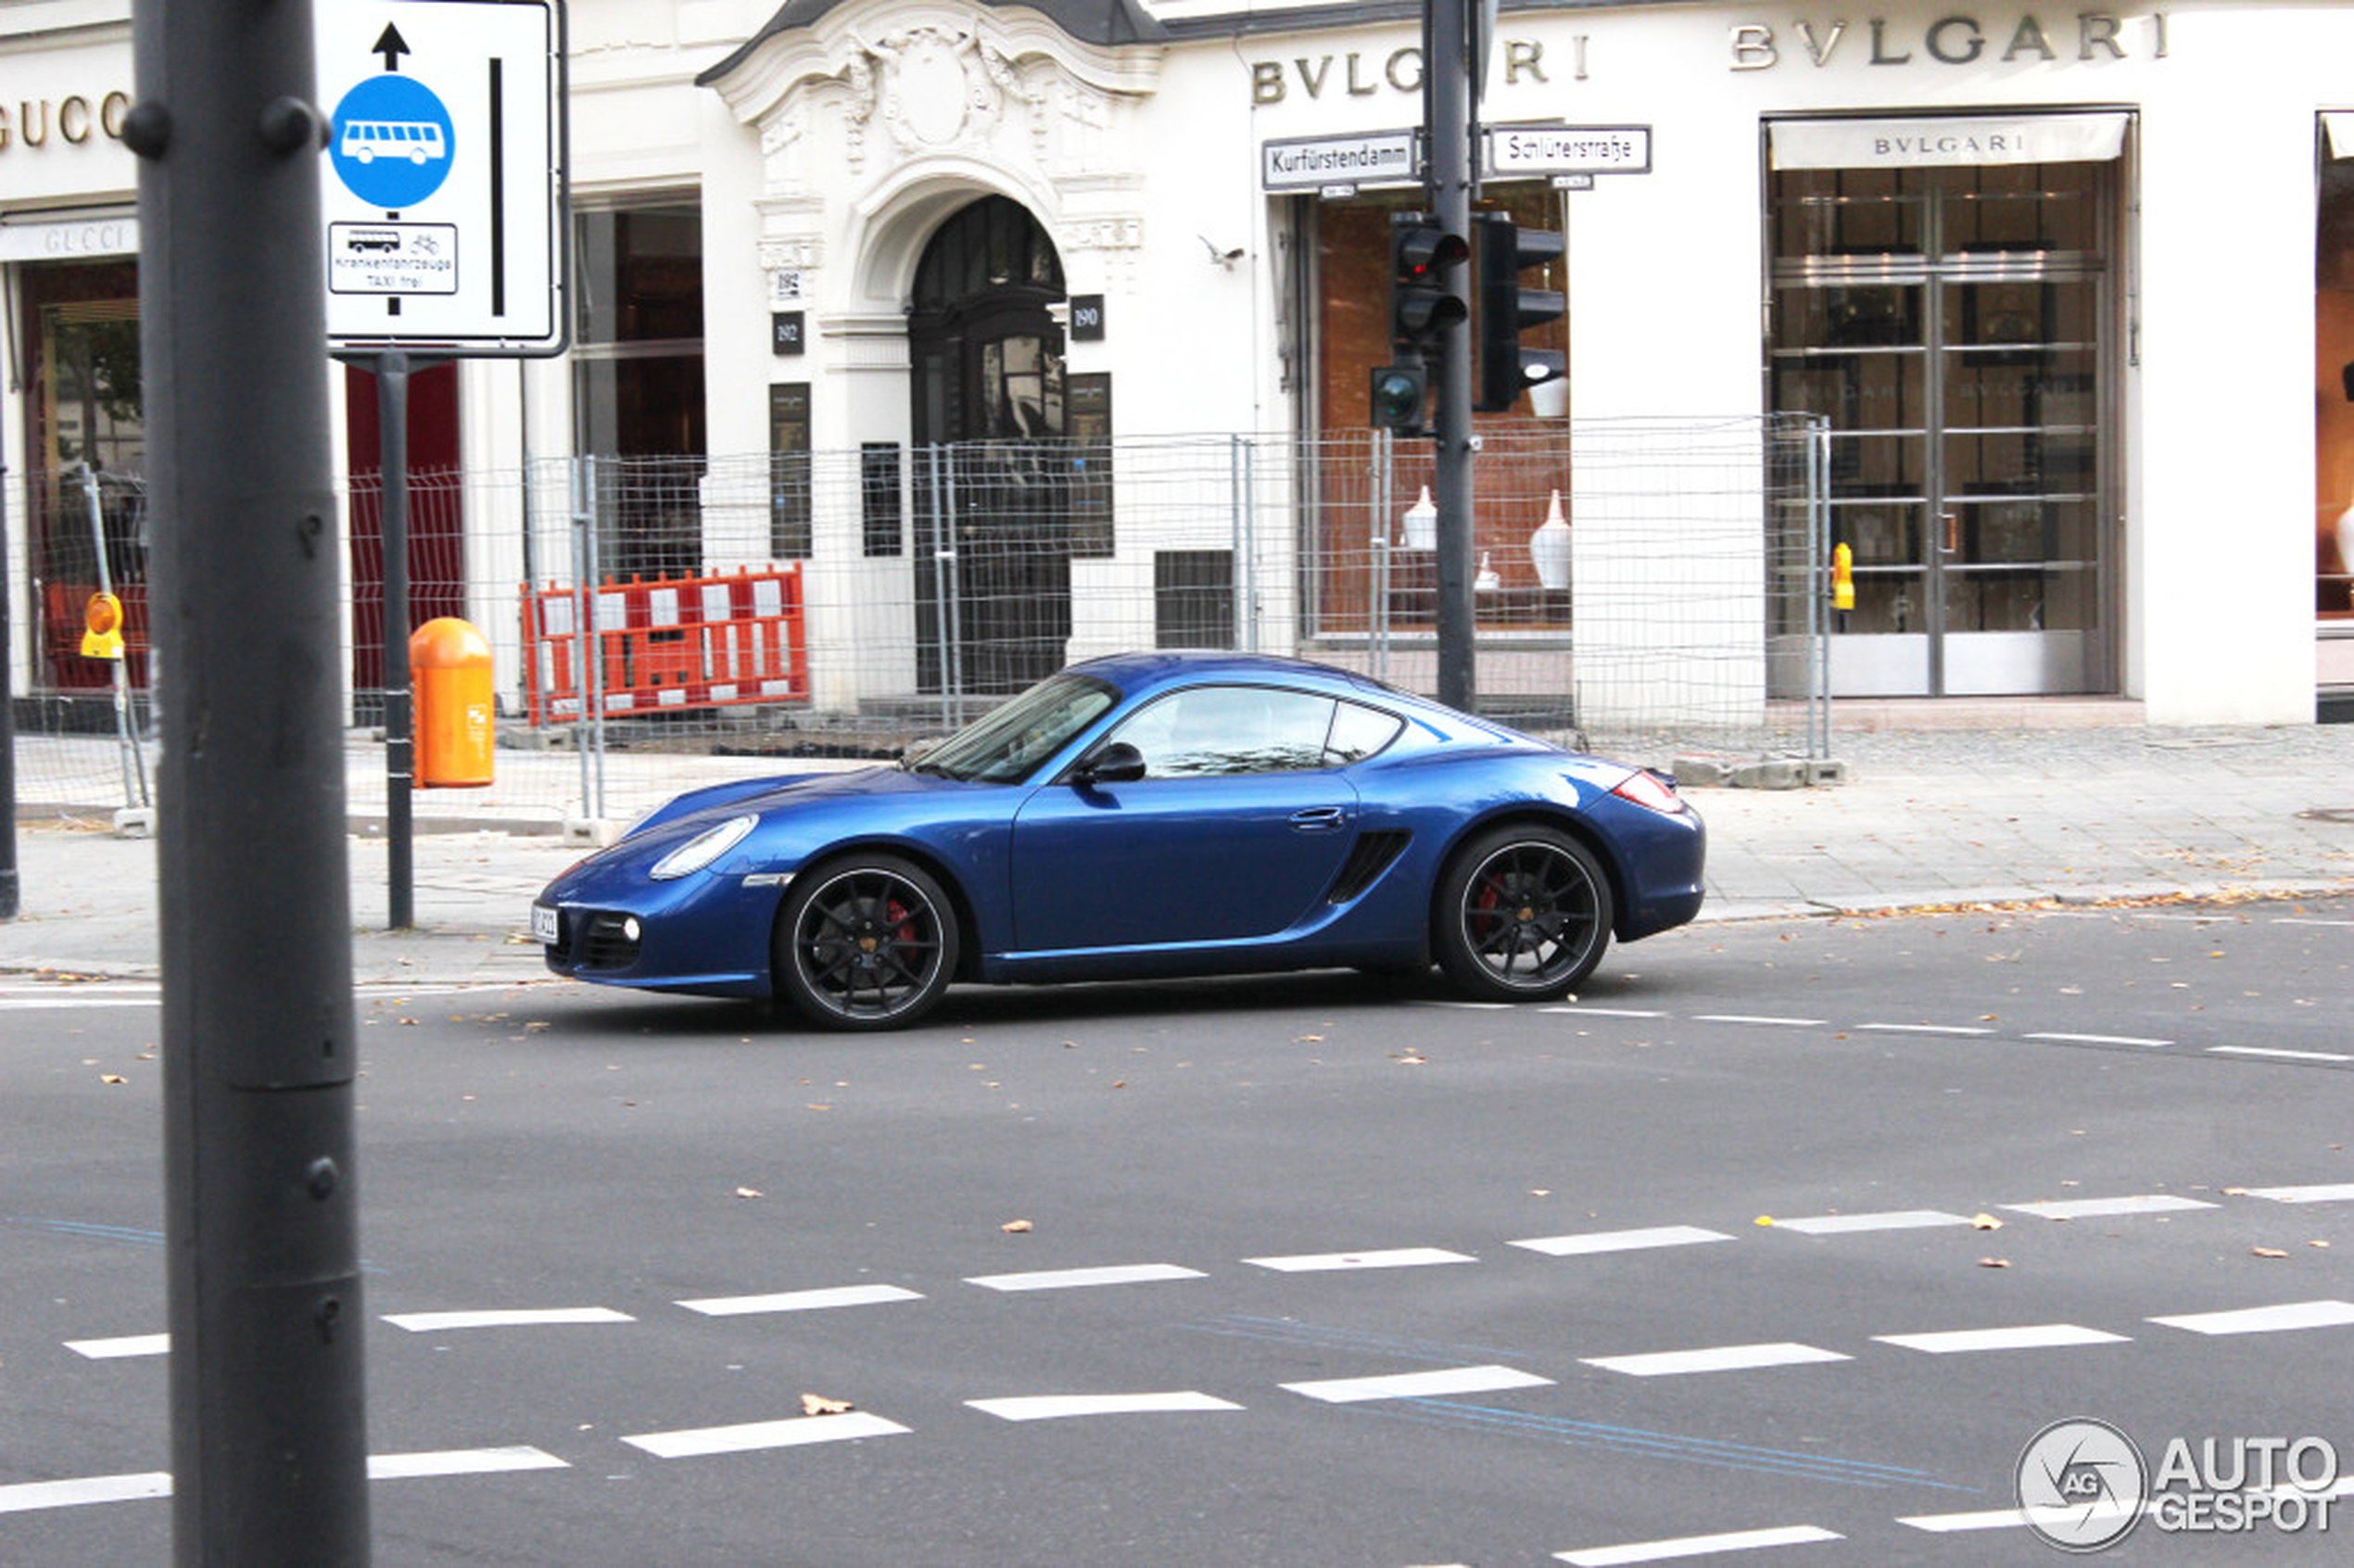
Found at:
[2335, 1192]
[1418, 1386]
[751, 1436]
[2265, 1320]
[128, 1345]
[1474, 1006]
[1922, 1029]
[2020, 1518]
[1892, 1220]
[1607, 1012]
[1050, 1407]
[1696, 1546]
[2035, 1337]
[528, 1317]
[1079, 1279]
[1721, 1357]
[2299, 921]
[2278, 1053]
[462, 1461]
[1620, 1240]
[1756, 1018]
[1397, 1257]
[800, 1301]
[2102, 1209]
[25, 1497]
[73, 1004]
[2099, 1040]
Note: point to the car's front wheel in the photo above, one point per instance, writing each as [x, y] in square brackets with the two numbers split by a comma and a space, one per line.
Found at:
[1524, 914]
[869, 942]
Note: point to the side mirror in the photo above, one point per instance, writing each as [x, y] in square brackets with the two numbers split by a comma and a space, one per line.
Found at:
[1119, 763]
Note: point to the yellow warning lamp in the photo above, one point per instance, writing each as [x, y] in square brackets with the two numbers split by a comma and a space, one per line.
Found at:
[102, 627]
[1842, 579]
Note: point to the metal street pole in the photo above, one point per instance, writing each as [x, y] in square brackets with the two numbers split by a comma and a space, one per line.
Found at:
[1447, 75]
[9, 898]
[269, 1441]
[392, 369]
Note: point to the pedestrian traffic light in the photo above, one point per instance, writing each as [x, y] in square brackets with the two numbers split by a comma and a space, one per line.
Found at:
[1401, 393]
[1422, 298]
[1506, 309]
[102, 627]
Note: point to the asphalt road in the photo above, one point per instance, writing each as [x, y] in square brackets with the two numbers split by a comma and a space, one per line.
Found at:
[1316, 1270]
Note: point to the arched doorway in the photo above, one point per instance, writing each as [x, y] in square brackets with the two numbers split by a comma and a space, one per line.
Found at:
[993, 501]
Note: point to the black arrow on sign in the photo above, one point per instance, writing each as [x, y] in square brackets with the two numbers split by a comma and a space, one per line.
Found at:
[391, 45]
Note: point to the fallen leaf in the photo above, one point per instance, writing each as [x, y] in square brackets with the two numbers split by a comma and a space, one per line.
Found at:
[1309, 1039]
[1984, 1222]
[2235, 1192]
[1994, 1262]
[112, 1078]
[2317, 1243]
[750, 1193]
[2267, 1252]
[1765, 1220]
[1015, 1227]
[818, 1405]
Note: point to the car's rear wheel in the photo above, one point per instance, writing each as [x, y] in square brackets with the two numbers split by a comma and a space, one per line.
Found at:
[869, 942]
[1524, 914]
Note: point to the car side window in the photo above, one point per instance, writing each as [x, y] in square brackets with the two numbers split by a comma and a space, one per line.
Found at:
[1213, 730]
[1358, 733]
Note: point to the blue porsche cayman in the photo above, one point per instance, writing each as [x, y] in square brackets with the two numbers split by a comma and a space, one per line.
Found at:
[1145, 815]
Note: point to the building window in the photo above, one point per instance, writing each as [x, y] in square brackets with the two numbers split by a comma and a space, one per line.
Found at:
[1524, 459]
[637, 381]
[2334, 380]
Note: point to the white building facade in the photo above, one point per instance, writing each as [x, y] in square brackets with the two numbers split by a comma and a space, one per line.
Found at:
[2073, 287]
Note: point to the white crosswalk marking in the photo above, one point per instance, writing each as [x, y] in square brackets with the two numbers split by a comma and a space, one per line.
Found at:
[1418, 1386]
[2102, 1209]
[1078, 1279]
[750, 1436]
[1720, 1358]
[1050, 1407]
[2035, 1336]
[1396, 1257]
[1620, 1240]
[1696, 1546]
[2265, 1320]
[800, 1301]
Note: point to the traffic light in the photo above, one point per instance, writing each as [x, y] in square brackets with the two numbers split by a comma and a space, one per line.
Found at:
[102, 627]
[1400, 394]
[1506, 309]
[1422, 304]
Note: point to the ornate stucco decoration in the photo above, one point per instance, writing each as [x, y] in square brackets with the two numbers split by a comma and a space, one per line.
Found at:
[863, 101]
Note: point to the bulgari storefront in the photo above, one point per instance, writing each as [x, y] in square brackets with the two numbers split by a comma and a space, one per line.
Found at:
[2074, 288]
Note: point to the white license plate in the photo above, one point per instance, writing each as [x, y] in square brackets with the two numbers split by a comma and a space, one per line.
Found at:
[544, 927]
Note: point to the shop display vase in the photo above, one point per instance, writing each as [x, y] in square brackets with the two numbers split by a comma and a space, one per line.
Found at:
[1548, 547]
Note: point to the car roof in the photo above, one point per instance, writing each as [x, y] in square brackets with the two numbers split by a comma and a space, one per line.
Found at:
[1144, 670]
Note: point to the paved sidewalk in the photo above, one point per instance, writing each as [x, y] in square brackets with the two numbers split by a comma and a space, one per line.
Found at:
[1923, 819]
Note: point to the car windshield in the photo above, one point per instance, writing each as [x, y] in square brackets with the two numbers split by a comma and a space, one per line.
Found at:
[1007, 745]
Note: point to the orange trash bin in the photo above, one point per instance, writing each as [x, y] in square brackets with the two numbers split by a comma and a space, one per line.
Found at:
[456, 713]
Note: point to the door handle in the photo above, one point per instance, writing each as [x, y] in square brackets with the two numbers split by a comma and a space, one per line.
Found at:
[1953, 521]
[1319, 818]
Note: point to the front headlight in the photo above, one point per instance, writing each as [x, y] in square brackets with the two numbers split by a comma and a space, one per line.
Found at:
[702, 849]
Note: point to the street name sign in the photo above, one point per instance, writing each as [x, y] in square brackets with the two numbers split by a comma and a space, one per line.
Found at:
[443, 182]
[1559, 150]
[1318, 163]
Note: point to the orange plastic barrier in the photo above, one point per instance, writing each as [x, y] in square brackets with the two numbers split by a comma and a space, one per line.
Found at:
[669, 644]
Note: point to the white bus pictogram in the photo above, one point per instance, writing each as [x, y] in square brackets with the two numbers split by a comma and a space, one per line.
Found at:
[418, 141]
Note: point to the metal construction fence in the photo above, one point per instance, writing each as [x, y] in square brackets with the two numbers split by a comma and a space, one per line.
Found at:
[1650, 587]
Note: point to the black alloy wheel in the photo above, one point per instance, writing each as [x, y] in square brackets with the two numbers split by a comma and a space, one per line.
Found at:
[865, 944]
[1524, 914]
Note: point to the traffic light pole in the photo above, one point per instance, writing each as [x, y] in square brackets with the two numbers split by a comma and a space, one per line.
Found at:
[268, 1439]
[1447, 177]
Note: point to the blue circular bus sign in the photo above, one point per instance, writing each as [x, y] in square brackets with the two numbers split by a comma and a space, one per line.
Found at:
[393, 142]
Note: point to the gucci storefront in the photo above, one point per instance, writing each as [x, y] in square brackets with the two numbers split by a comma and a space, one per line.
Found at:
[2071, 287]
